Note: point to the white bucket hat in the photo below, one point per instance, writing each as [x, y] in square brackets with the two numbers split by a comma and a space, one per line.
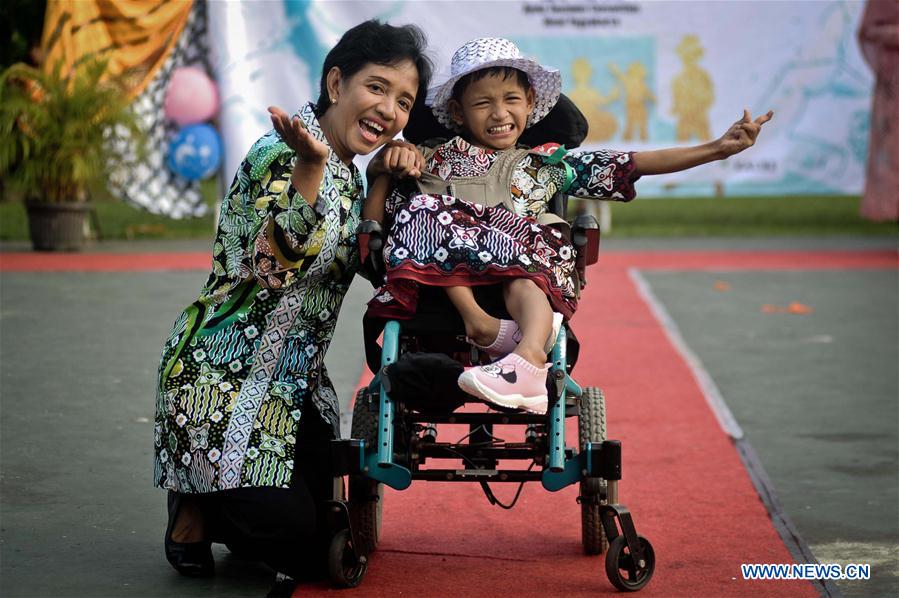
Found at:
[486, 52]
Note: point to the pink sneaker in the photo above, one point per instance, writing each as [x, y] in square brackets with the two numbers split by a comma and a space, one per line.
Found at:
[510, 335]
[510, 382]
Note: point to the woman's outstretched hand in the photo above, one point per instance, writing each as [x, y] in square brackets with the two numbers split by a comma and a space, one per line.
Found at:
[312, 154]
[399, 159]
[295, 134]
[742, 134]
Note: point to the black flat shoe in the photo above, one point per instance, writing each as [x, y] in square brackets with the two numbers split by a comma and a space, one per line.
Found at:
[193, 559]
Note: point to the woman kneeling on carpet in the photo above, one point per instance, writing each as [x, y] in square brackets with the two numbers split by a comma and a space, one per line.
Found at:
[245, 409]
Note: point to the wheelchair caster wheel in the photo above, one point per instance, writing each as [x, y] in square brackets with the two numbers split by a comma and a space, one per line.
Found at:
[623, 572]
[345, 568]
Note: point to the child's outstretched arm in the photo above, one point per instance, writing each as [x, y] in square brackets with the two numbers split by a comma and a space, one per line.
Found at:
[741, 135]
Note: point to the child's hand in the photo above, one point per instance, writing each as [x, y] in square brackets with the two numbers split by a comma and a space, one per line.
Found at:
[298, 138]
[742, 134]
[399, 159]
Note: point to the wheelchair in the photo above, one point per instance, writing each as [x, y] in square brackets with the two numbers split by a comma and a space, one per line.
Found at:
[395, 418]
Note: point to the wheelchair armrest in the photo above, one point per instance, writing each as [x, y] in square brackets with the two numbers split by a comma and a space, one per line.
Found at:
[370, 236]
[585, 238]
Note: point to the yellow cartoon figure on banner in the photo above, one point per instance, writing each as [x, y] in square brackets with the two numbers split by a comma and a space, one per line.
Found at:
[693, 92]
[636, 96]
[591, 102]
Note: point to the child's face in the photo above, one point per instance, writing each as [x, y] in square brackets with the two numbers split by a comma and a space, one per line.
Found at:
[494, 111]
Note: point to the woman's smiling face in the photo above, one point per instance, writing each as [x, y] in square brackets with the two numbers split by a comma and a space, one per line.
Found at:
[493, 111]
[369, 108]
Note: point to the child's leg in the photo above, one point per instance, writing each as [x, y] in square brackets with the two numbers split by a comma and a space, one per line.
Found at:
[518, 380]
[528, 305]
[480, 327]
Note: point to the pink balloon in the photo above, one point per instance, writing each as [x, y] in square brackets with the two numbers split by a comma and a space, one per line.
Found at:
[191, 96]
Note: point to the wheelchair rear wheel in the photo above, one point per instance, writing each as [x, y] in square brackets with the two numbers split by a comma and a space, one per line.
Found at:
[366, 496]
[592, 428]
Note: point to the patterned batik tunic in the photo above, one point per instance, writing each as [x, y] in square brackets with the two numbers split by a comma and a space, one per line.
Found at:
[242, 360]
[442, 240]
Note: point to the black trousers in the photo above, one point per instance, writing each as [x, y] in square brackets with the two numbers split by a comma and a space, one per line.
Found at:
[283, 527]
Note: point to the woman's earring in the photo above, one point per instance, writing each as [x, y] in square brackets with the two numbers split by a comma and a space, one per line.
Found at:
[333, 100]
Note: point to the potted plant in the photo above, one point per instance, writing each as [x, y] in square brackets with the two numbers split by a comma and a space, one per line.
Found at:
[56, 134]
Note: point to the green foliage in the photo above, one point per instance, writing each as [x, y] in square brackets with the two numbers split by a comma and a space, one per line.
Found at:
[56, 129]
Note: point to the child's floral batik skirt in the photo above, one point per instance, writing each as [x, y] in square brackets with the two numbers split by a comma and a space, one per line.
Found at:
[440, 240]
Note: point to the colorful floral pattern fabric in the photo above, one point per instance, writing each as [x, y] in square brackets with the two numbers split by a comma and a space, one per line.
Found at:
[242, 359]
[445, 241]
[600, 174]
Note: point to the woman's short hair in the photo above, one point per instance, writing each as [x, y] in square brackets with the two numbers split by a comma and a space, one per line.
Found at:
[373, 42]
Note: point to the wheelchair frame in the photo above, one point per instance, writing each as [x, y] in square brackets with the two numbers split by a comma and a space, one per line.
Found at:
[630, 559]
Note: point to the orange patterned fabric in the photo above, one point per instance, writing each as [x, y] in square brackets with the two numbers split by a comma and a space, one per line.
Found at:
[136, 36]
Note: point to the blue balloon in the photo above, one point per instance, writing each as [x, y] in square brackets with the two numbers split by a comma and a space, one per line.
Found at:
[195, 153]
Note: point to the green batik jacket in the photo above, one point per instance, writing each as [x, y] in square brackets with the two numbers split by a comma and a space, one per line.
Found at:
[243, 358]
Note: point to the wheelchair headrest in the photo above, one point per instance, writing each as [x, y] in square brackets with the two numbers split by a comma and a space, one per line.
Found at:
[565, 124]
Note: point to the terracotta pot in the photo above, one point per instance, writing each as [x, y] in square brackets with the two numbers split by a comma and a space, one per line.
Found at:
[56, 226]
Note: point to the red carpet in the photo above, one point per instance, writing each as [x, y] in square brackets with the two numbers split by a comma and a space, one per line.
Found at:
[683, 480]
[104, 262]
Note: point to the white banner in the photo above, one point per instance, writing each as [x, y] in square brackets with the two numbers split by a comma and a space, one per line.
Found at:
[646, 74]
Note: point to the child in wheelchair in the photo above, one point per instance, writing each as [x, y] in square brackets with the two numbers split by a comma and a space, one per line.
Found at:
[474, 211]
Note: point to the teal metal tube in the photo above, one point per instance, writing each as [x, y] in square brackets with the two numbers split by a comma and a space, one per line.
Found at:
[389, 350]
[572, 387]
[395, 476]
[575, 470]
[557, 412]
[568, 475]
